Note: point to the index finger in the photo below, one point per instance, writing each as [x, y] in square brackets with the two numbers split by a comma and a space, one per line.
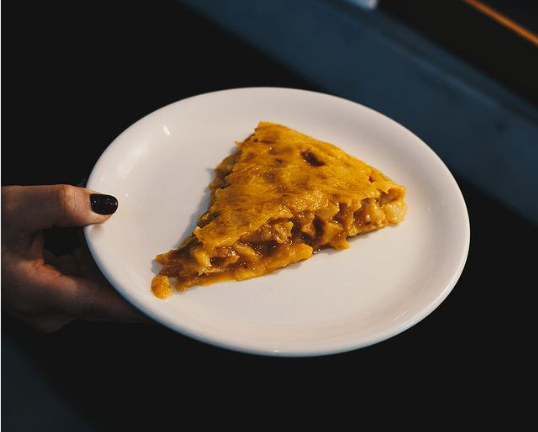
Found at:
[84, 299]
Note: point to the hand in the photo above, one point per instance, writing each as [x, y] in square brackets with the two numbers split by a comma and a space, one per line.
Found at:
[45, 291]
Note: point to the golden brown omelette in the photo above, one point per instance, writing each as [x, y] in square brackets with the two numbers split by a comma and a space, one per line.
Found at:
[281, 197]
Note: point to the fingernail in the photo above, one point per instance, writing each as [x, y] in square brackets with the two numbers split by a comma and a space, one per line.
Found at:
[103, 204]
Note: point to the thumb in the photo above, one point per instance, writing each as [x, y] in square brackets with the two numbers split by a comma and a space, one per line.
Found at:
[41, 207]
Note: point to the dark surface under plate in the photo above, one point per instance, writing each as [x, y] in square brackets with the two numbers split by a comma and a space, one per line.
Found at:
[75, 76]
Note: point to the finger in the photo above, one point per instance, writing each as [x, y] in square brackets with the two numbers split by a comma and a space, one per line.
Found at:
[84, 299]
[83, 257]
[66, 264]
[38, 207]
[88, 268]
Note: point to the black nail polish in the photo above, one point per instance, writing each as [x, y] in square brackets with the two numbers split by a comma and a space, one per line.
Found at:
[103, 204]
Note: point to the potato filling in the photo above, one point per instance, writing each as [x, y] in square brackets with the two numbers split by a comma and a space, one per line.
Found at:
[275, 245]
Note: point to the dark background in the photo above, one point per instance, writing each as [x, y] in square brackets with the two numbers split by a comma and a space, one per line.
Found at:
[480, 41]
[75, 75]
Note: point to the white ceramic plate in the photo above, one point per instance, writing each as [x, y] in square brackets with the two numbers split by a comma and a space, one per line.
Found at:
[160, 168]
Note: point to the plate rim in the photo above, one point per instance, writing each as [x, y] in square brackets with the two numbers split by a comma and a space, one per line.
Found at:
[237, 346]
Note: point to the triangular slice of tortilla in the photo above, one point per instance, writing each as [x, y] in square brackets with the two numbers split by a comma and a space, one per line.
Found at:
[281, 197]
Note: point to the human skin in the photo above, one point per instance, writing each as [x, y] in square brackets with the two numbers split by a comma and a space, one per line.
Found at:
[47, 291]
